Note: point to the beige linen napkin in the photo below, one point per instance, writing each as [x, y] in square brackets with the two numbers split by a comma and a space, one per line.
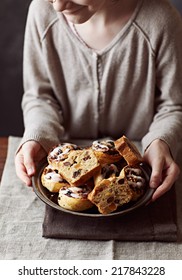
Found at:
[155, 222]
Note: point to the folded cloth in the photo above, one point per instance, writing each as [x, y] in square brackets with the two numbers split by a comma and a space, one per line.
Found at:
[154, 222]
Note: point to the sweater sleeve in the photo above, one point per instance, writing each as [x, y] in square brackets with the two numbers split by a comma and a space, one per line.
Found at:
[42, 113]
[167, 121]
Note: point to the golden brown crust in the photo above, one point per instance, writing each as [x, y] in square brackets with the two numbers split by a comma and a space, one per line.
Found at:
[128, 150]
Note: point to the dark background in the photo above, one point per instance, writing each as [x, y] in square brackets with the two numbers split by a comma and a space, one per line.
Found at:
[12, 24]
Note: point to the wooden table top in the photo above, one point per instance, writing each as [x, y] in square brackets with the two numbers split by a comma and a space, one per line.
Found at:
[3, 153]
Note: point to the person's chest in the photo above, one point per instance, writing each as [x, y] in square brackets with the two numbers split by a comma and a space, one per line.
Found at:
[99, 36]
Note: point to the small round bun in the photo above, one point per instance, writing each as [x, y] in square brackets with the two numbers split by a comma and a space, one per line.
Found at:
[75, 198]
[105, 151]
[136, 180]
[52, 180]
[59, 153]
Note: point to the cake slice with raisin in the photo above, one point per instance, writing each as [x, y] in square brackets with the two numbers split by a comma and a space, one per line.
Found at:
[109, 194]
[79, 166]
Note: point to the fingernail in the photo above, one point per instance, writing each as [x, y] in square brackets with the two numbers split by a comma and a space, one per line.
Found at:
[30, 171]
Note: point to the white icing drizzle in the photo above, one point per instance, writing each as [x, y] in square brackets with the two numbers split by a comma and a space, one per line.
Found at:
[60, 152]
[54, 177]
[75, 192]
[105, 145]
[134, 177]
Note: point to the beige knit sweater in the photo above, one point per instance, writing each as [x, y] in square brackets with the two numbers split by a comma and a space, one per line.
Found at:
[133, 86]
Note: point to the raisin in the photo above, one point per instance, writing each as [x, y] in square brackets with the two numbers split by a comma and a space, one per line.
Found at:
[69, 193]
[59, 152]
[67, 163]
[76, 173]
[121, 181]
[87, 157]
[110, 199]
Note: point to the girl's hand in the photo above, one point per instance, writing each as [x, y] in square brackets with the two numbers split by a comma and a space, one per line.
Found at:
[30, 153]
[164, 170]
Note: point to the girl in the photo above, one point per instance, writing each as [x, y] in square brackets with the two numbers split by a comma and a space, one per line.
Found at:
[103, 68]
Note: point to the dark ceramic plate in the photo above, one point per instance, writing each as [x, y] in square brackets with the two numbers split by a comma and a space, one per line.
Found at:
[51, 198]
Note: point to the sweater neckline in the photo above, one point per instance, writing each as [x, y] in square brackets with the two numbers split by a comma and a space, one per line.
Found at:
[75, 36]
